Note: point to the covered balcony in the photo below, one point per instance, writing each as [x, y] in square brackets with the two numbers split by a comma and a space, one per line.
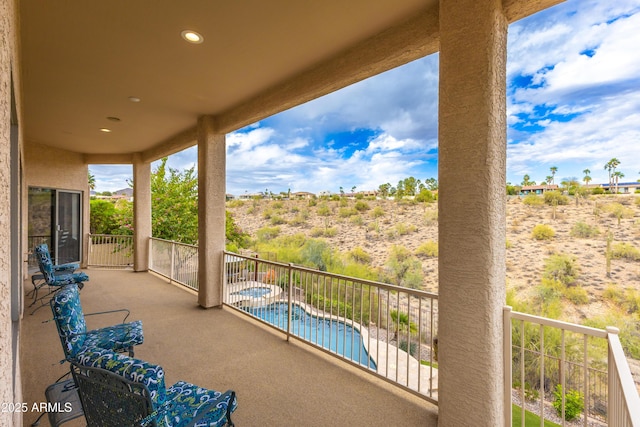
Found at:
[115, 83]
[278, 382]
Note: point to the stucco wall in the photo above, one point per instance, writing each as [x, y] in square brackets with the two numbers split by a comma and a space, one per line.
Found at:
[50, 167]
[53, 168]
[7, 362]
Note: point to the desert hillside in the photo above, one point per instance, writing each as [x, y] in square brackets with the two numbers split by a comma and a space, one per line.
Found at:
[376, 225]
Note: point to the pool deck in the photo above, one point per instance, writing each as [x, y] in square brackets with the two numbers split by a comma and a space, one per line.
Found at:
[278, 382]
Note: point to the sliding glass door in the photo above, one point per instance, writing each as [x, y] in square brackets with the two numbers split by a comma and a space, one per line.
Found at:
[55, 218]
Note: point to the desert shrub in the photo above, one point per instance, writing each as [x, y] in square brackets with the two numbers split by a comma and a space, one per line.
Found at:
[597, 190]
[277, 220]
[428, 249]
[576, 294]
[362, 206]
[267, 233]
[533, 200]
[267, 214]
[316, 232]
[360, 255]
[618, 210]
[555, 198]
[324, 210]
[299, 219]
[584, 230]
[401, 228]
[562, 268]
[626, 251]
[312, 202]
[347, 212]
[276, 205]
[377, 212]
[344, 202]
[330, 232]
[411, 348]
[614, 294]
[431, 217]
[543, 232]
[235, 203]
[404, 269]
[573, 403]
[425, 196]
[357, 220]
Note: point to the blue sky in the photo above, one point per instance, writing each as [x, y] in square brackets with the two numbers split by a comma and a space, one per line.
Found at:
[573, 88]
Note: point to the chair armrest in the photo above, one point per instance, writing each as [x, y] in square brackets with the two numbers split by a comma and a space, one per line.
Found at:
[203, 411]
[124, 310]
[66, 267]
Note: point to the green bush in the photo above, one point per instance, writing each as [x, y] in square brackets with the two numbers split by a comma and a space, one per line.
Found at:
[362, 206]
[555, 198]
[543, 232]
[267, 233]
[360, 255]
[428, 249]
[324, 210]
[597, 190]
[574, 403]
[576, 294]
[347, 212]
[377, 212]
[584, 230]
[626, 251]
[533, 200]
[561, 267]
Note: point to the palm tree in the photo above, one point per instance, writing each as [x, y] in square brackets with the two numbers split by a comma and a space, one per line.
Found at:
[549, 179]
[586, 178]
[553, 170]
[610, 167]
[92, 181]
[617, 175]
[526, 180]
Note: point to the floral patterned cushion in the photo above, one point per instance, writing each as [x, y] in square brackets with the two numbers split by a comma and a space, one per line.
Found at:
[186, 401]
[173, 407]
[132, 369]
[65, 272]
[70, 321]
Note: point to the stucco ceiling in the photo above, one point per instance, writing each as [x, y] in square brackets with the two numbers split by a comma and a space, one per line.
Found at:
[82, 60]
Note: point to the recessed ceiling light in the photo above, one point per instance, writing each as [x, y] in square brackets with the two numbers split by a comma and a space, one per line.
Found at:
[134, 99]
[105, 130]
[192, 36]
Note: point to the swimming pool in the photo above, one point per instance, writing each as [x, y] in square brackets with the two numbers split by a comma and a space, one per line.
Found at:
[331, 334]
[254, 292]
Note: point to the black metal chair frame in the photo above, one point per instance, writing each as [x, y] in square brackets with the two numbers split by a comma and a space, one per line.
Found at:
[110, 400]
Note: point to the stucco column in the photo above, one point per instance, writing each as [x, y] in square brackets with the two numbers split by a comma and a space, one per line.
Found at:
[141, 213]
[471, 213]
[211, 212]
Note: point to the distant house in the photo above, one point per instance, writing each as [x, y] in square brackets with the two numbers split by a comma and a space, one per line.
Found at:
[537, 189]
[622, 187]
[299, 195]
[249, 196]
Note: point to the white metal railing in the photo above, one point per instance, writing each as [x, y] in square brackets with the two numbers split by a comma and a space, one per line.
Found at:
[176, 261]
[110, 251]
[386, 330]
[549, 361]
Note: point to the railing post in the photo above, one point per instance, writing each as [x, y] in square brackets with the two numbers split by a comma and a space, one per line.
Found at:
[171, 264]
[289, 298]
[613, 405]
[507, 360]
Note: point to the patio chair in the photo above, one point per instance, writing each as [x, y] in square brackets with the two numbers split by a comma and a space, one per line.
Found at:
[116, 390]
[72, 327]
[53, 276]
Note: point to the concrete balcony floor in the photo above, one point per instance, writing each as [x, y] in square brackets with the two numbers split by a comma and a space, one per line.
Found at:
[277, 382]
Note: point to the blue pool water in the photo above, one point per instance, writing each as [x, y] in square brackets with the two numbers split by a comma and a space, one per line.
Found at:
[330, 334]
[255, 292]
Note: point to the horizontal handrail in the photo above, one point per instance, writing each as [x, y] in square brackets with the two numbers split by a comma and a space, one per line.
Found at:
[387, 330]
[552, 363]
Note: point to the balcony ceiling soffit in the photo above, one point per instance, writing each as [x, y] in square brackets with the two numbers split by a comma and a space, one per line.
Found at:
[81, 61]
